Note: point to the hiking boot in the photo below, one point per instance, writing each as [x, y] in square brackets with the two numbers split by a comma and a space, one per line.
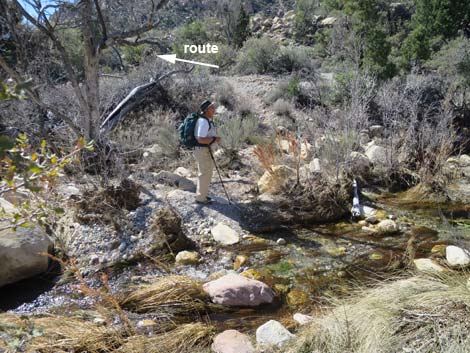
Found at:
[207, 201]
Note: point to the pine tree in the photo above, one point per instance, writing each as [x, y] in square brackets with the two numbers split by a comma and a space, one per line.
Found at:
[242, 30]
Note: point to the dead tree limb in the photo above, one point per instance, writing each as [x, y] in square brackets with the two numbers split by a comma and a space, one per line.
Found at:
[133, 99]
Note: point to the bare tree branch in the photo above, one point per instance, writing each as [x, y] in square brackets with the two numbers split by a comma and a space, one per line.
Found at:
[35, 97]
[132, 100]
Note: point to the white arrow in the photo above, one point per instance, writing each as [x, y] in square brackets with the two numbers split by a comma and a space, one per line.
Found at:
[173, 59]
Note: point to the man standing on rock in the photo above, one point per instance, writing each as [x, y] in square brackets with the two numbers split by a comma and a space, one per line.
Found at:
[205, 134]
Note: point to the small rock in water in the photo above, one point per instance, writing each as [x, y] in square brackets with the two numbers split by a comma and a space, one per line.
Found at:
[392, 217]
[387, 226]
[240, 261]
[372, 219]
[232, 341]
[187, 258]
[302, 319]
[236, 290]
[427, 265]
[272, 333]
[281, 241]
[224, 234]
[457, 256]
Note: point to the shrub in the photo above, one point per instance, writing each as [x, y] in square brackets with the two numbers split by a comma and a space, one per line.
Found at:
[226, 95]
[264, 55]
[256, 56]
[236, 131]
[282, 107]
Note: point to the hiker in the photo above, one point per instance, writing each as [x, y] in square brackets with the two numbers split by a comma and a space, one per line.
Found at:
[205, 134]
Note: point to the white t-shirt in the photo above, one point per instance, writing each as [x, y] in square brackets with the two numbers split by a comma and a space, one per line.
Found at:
[203, 129]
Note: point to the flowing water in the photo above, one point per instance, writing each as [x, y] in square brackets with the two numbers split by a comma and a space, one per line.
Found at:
[318, 262]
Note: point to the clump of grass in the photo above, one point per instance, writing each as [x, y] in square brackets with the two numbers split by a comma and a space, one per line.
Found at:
[425, 314]
[62, 334]
[178, 294]
[186, 338]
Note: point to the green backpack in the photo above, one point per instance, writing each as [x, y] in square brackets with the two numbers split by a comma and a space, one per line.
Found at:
[186, 130]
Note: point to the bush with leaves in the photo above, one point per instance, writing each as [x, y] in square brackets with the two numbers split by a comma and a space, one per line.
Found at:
[34, 172]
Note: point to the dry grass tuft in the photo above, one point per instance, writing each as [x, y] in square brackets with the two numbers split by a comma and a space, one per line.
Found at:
[419, 314]
[177, 294]
[62, 334]
[186, 338]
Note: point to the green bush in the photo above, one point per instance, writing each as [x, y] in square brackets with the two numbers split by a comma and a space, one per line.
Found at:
[264, 55]
[236, 131]
[256, 56]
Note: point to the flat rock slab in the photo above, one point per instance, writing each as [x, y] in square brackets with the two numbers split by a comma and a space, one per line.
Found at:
[225, 235]
[232, 341]
[192, 214]
[236, 290]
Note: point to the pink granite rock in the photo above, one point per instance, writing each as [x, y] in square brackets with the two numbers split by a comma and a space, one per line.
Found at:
[232, 341]
[236, 290]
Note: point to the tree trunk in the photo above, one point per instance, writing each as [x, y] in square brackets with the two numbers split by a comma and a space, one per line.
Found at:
[92, 112]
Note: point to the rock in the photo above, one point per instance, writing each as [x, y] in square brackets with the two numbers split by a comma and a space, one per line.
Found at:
[377, 154]
[328, 22]
[387, 226]
[232, 341]
[240, 261]
[19, 250]
[184, 258]
[314, 166]
[225, 235]
[281, 241]
[360, 164]
[392, 217]
[305, 151]
[236, 290]
[146, 324]
[183, 172]
[302, 319]
[372, 219]
[376, 131]
[427, 265]
[362, 223]
[99, 321]
[274, 182]
[272, 333]
[173, 179]
[222, 158]
[439, 250]
[457, 256]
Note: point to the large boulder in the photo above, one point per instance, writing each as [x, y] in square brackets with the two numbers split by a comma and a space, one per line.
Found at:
[457, 256]
[272, 333]
[232, 341]
[377, 154]
[20, 250]
[236, 290]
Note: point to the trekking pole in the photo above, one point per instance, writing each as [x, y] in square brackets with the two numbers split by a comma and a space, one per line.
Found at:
[220, 176]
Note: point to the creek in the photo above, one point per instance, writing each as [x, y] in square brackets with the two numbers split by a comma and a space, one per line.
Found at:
[318, 262]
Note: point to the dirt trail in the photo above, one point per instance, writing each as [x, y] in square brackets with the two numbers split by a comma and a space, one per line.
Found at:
[253, 89]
